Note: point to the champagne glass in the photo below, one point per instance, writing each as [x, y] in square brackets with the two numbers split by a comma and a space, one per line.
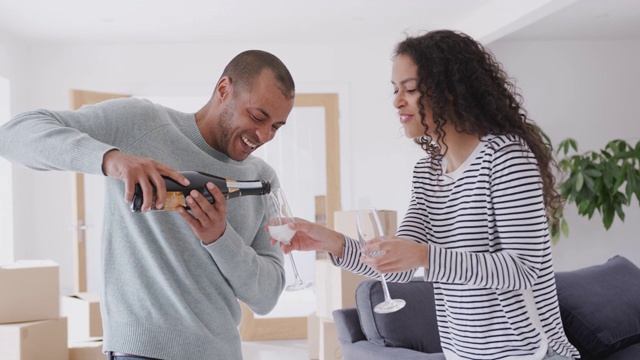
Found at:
[280, 216]
[370, 227]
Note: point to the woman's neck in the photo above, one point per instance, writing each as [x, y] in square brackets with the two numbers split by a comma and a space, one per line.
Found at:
[459, 147]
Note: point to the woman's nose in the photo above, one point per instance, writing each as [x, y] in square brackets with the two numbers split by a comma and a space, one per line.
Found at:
[398, 101]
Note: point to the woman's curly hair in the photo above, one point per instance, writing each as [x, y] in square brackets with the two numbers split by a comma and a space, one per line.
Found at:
[466, 86]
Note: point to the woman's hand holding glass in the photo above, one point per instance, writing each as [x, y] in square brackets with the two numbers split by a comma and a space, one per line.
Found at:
[396, 255]
[370, 228]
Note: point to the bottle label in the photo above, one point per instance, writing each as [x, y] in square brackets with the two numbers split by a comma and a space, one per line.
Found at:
[174, 201]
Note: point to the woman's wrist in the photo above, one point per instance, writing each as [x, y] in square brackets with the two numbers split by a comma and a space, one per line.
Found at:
[425, 259]
[336, 246]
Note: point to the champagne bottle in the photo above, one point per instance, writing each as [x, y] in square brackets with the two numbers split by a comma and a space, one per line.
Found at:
[177, 194]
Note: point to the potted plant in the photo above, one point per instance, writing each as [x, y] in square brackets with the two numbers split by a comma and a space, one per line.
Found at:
[604, 180]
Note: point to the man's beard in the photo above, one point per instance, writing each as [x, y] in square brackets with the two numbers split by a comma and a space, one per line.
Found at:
[226, 128]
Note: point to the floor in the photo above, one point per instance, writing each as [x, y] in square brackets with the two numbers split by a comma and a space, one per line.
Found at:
[275, 350]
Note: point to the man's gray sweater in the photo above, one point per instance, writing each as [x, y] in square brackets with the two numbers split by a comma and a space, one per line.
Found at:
[165, 294]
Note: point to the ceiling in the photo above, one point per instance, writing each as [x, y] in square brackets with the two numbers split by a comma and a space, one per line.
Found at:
[587, 20]
[305, 21]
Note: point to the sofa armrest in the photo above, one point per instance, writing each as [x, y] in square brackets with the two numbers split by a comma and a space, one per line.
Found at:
[629, 353]
[348, 325]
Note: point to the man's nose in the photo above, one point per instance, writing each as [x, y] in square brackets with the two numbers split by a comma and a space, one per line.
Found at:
[265, 134]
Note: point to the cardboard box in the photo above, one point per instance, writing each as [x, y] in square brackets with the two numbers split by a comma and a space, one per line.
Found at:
[30, 291]
[35, 340]
[90, 349]
[330, 346]
[83, 312]
[313, 336]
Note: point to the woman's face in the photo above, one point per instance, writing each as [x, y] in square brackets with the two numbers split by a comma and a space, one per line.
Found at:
[404, 77]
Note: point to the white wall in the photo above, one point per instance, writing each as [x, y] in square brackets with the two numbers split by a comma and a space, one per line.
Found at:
[6, 185]
[587, 90]
[584, 90]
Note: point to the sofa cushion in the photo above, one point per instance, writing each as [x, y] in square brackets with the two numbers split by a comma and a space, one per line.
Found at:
[413, 327]
[600, 307]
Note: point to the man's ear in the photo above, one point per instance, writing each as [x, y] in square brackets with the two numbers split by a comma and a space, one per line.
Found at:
[224, 88]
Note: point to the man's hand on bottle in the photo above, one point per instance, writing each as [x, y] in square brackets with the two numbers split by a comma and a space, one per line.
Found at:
[145, 171]
[208, 221]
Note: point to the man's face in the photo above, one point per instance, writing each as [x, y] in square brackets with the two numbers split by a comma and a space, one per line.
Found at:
[250, 119]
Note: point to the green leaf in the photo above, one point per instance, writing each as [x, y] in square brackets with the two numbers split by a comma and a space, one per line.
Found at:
[633, 183]
[619, 211]
[590, 183]
[620, 178]
[565, 147]
[579, 181]
[565, 227]
[573, 144]
[593, 173]
[591, 208]
[583, 207]
[621, 198]
[607, 176]
[607, 216]
[637, 189]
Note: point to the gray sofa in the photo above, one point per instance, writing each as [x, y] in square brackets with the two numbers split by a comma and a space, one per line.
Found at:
[600, 308]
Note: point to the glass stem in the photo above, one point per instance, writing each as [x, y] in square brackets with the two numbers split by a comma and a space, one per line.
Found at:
[387, 297]
[295, 270]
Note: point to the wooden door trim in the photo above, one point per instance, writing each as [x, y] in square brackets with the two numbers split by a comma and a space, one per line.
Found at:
[329, 102]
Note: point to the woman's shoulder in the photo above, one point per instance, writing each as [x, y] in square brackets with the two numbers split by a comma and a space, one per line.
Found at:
[499, 143]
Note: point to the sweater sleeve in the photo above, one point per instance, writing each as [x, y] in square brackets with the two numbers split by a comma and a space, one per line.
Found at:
[71, 140]
[518, 231]
[256, 273]
[252, 267]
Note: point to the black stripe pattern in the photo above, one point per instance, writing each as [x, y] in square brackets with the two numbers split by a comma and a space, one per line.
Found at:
[489, 250]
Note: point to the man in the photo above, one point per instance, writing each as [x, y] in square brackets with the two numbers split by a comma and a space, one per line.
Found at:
[172, 280]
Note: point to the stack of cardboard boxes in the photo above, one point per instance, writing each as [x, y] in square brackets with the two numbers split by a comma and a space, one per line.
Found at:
[31, 327]
[36, 323]
[85, 326]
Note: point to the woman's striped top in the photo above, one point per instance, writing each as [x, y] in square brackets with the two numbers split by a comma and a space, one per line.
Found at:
[490, 255]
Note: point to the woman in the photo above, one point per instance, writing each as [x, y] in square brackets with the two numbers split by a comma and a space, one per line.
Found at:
[481, 197]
